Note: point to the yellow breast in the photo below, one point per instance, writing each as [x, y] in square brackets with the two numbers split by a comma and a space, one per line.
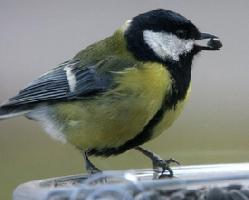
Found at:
[120, 114]
[170, 116]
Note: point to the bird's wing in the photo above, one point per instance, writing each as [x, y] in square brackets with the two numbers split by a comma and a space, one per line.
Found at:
[70, 81]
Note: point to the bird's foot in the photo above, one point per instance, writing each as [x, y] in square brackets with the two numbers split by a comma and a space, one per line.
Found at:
[90, 167]
[159, 163]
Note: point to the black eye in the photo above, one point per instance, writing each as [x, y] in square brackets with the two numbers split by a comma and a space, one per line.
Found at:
[181, 34]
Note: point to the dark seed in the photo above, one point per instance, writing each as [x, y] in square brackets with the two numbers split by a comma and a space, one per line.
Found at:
[214, 43]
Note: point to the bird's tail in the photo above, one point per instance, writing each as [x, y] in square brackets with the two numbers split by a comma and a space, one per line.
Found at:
[12, 111]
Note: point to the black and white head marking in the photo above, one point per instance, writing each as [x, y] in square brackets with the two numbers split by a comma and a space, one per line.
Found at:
[167, 45]
[161, 35]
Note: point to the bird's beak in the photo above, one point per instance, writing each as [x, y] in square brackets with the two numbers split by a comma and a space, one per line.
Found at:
[208, 42]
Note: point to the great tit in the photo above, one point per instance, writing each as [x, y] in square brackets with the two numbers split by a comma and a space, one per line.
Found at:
[119, 92]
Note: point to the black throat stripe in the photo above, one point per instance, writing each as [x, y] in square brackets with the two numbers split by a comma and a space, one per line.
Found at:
[181, 80]
[181, 75]
[141, 138]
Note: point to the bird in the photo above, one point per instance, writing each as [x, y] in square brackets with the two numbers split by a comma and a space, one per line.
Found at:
[119, 92]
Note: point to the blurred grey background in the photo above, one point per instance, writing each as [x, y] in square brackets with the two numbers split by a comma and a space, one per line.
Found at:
[35, 36]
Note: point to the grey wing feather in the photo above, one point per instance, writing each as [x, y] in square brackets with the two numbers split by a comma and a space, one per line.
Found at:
[90, 81]
[56, 85]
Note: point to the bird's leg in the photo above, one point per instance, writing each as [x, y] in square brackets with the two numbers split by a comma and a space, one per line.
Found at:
[90, 167]
[158, 162]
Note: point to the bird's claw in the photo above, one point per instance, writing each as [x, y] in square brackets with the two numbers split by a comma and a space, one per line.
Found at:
[90, 167]
[94, 170]
[165, 165]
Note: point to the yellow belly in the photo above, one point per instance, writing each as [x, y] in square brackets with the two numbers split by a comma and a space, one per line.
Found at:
[120, 114]
[170, 116]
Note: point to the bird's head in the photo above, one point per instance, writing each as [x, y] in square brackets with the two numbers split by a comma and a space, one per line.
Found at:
[166, 36]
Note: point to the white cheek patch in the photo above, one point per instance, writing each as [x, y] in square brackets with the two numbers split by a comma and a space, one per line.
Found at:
[167, 45]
